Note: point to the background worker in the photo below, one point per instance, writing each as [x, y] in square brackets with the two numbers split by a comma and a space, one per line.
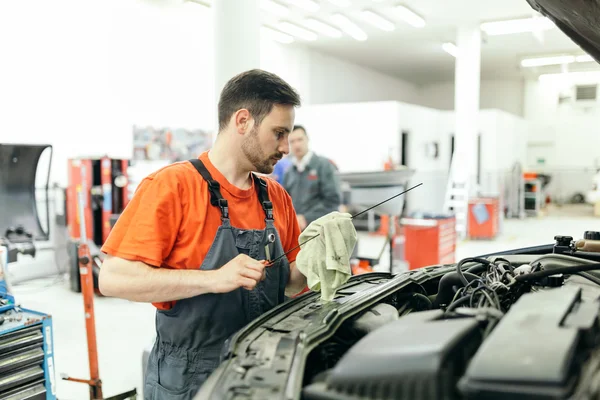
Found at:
[199, 259]
[310, 180]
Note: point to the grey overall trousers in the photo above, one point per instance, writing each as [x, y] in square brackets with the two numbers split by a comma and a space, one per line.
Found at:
[190, 336]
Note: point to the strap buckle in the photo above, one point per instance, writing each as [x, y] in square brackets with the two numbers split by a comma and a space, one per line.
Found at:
[214, 184]
[268, 207]
[224, 208]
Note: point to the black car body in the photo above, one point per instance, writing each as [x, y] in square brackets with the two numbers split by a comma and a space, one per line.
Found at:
[522, 324]
[526, 327]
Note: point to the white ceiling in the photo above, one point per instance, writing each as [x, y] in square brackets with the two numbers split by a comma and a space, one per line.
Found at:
[416, 55]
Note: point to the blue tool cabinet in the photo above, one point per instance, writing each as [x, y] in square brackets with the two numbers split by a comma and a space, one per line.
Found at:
[26, 356]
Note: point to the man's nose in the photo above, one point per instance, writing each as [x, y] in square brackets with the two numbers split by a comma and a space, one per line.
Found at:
[284, 147]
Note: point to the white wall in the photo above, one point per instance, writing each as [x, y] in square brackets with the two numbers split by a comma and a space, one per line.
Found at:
[81, 83]
[358, 144]
[505, 95]
[503, 143]
[566, 136]
[82, 73]
[336, 81]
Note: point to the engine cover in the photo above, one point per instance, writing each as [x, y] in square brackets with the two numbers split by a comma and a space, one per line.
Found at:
[417, 357]
[537, 350]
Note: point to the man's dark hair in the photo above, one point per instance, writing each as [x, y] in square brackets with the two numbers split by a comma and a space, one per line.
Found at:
[257, 91]
[300, 127]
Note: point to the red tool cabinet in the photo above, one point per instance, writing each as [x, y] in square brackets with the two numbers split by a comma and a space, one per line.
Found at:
[429, 241]
[103, 184]
[484, 215]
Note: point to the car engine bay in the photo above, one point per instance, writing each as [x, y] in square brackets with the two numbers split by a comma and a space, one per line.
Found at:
[518, 327]
[522, 324]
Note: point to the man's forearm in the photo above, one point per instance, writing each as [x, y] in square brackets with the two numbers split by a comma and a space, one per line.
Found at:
[137, 281]
[296, 283]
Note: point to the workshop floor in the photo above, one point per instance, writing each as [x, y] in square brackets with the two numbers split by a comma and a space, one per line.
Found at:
[124, 329]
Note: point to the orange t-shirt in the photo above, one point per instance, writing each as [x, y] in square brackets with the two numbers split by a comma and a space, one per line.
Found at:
[170, 222]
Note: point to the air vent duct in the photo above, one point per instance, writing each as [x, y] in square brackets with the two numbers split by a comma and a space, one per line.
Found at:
[586, 92]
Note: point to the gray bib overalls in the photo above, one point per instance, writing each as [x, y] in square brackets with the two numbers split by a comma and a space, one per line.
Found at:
[190, 336]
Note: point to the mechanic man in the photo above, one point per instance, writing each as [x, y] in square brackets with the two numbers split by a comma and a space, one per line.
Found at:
[194, 238]
[311, 181]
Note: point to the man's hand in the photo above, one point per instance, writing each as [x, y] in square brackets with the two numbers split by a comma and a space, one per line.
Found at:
[242, 271]
[301, 222]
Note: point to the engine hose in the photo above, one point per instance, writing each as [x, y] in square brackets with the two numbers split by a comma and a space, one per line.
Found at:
[458, 302]
[563, 260]
[562, 270]
[447, 285]
[466, 260]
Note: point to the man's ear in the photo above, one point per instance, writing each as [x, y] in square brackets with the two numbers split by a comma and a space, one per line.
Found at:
[243, 121]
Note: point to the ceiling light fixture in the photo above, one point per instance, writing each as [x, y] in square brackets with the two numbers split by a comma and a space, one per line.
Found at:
[377, 21]
[274, 8]
[349, 27]
[297, 31]
[517, 26]
[410, 17]
[450, 48]
[341, 3]
[584, 58]
[308, 5]
[543, 61]
[199, 2]
[322, 28]
[276, 35]
[579, 76]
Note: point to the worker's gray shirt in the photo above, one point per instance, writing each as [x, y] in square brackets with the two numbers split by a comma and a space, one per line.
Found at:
[315, 191]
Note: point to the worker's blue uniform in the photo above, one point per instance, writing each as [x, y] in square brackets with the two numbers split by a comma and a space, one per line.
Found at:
[190, 336]
[280, 168]
[315, 190]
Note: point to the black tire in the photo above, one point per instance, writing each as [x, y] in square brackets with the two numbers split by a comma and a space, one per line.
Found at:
[578, 198]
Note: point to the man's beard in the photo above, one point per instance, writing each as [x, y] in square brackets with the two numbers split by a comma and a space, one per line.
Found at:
[251, 148]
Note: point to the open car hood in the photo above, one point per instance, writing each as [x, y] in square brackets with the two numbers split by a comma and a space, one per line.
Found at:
[578, 19]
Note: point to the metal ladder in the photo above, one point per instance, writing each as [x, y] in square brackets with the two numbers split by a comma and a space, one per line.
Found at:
[456, 201]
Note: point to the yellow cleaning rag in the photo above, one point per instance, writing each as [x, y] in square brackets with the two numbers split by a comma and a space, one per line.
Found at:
[325, 260]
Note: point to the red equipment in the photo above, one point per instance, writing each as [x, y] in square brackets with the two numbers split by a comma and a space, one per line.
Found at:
[105, 198]
[87, 289]
[484, 217]
[429, 241]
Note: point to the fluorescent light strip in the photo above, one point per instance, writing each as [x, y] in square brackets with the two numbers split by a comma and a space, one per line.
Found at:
[582, 75]
[322, 28]
[377, 21]
[349, 27]
[308, 5]
[410, 17]
[199, 2]
[341, 3]
[517, 26]
[276, 35]
[584, 58]
[450, 48]
[543, 61]
[274, 8]
[297, 31]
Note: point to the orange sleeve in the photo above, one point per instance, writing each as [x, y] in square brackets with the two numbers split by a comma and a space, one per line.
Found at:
[293, 232]
[147, 229]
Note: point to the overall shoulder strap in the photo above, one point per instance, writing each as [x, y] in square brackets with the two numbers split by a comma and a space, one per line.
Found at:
[216, 199]
[263, 195]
